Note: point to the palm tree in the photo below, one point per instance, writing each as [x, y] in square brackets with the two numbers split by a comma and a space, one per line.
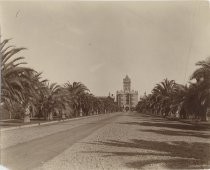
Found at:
[54, 101]
[161, 96]
[76, 91]
[87, 103]
[202, 75]
[33, 91]
[16, 84]
[97, 105]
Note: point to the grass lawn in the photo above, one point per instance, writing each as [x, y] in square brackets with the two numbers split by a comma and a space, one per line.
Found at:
[19, 122]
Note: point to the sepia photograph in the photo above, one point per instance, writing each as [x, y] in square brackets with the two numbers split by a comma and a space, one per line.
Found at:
[104, 85]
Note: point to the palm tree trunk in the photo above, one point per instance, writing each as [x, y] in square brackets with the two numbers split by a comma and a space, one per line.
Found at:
[51, 116]
[203, 114]
[26, 118]
[63, 116]
[80, 112]
[10, 115]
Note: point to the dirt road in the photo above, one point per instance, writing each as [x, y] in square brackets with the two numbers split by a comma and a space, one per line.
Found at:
[32, 153]
[116, 141]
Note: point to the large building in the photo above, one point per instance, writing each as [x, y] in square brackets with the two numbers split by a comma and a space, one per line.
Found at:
[127, 99]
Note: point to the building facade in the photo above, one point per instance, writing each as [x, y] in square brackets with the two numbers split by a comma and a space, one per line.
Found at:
[127, 99]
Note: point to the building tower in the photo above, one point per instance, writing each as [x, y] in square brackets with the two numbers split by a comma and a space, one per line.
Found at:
[127, 84]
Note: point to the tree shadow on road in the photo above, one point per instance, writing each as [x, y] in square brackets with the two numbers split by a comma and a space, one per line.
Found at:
[151, 118]
[178, 133]
[172, 154]
[181, 154]
[167, 124]
[144, 116]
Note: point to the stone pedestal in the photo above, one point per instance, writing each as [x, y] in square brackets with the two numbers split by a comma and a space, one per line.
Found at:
[49, 116]
[80, 112]
[26, 118]
[177, 115]
[63, 116]
[27, 115]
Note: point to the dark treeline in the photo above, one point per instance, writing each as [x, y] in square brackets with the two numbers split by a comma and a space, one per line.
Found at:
[170, 99]
[25, 94]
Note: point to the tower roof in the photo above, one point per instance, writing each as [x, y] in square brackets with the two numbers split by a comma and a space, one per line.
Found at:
[126, 79]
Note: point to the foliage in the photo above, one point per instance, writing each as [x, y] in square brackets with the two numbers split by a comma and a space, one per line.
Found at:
[23, 87]
[169, 98]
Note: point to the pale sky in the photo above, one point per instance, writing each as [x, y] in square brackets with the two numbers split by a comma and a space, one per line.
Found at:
[98, 43]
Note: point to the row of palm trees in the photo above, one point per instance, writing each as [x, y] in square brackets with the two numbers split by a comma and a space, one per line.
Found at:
[183, 101]
[24, 93]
